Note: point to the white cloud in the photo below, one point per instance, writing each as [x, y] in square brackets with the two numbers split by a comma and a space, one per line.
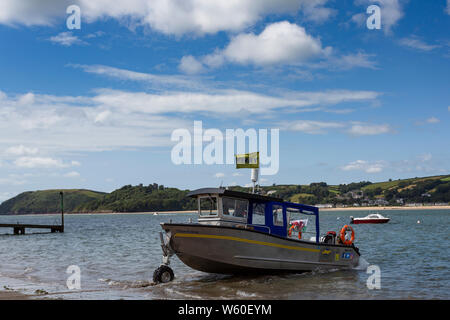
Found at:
[425, 157]
[279, 43]
[166, 16]
[433, 120]
[66, 39]
[156, 80]
[447, 9]
[416, 43]
[350, 61]
[42, 162]
[12, 180]
[72, 174]
[21, 150]
[366, 166]
[360, 19]
[57, 124]
[229, 102]
[391, 12]
[31, 13]
[422, 163]
[363, 129]
[219, 175]
[322, 127]
[113, 119]
[312, 127]
[190, 65]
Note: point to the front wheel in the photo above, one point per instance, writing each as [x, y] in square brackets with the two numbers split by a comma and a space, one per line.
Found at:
[163, 274]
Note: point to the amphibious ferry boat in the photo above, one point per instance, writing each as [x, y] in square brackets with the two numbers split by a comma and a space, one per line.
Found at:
[239, 232]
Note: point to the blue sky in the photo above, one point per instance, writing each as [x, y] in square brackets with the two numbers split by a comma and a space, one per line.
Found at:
[95, 107]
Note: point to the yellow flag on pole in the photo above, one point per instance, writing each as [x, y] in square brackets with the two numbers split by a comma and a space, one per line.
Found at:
[247, 160]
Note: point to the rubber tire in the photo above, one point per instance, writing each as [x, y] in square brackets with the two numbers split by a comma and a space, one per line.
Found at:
[163, 270]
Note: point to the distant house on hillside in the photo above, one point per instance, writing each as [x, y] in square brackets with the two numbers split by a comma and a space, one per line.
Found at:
[354, 194]
[414, 204]
[326, 205]
[378, 202]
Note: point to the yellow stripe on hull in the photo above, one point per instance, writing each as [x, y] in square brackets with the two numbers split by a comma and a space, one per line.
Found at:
[209, 236]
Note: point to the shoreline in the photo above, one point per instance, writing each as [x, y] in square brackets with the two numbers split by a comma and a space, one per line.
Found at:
[195, 211]
[13, 295]
[386, 208]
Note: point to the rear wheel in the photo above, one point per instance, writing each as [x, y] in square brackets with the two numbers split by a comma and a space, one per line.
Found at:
[163, 274]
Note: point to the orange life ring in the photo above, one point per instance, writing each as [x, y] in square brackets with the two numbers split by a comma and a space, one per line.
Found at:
[342, 235]
[290, 232]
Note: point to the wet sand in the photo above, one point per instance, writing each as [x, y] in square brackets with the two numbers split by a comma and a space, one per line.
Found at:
[12, 295]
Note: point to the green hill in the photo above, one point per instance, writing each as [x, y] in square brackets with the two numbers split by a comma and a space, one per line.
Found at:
[47, 201]
[156, 197]
[140, 199]
[435, 189]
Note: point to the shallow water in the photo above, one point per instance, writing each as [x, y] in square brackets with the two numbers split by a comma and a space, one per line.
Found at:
[117, 254]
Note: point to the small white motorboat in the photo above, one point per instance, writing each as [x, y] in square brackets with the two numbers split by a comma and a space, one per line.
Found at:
[371, 218]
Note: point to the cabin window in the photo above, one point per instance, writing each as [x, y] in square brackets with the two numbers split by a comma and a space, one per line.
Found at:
[259, 213]
[277, 212]
[208, 206]
[295, 218]
[293, 214]
[237, 208]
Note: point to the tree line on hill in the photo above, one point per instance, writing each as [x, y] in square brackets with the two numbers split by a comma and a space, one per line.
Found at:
[156, 197]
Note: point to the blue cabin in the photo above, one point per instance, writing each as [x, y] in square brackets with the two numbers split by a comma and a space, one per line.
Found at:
[219, 206]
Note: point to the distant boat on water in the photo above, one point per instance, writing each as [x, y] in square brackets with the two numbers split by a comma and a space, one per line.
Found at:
[371, 218]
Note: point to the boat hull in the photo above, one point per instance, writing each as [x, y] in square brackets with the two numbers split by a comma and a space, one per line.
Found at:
[230, 250]
[362, 221]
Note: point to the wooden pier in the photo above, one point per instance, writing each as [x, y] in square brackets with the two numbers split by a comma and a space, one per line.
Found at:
[19, 228]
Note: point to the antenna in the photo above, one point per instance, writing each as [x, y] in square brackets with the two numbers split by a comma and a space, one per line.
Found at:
[254, 177]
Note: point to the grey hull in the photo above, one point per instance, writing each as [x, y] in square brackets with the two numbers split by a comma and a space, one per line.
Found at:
[229, 250]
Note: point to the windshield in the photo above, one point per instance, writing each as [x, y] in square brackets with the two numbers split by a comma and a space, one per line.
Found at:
[208, 206]
[237, 208]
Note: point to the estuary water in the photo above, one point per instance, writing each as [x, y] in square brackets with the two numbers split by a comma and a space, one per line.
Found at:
[117, 254]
